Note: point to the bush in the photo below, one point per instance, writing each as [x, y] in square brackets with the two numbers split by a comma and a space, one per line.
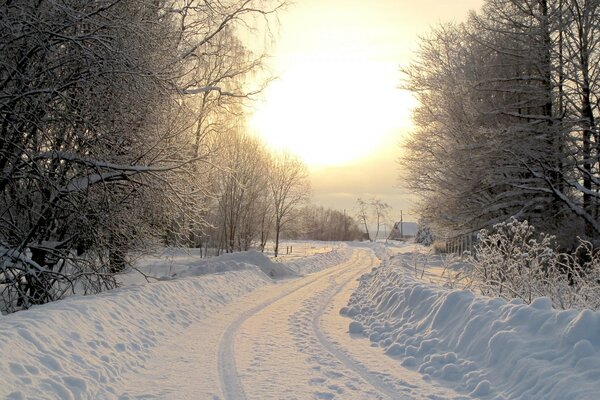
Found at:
[512, 261]
[424, 236]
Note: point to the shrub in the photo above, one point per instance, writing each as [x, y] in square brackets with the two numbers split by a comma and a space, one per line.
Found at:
[424, 236]
[512, 261]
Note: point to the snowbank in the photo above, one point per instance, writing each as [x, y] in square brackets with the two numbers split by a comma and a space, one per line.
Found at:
[179, 263]
[487, 347]
[340, 253]
[235, 262]
[72, 348]
[80, 346]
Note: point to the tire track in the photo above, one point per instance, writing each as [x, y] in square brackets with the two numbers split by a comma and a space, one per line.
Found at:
[231, 385]
[380, 385]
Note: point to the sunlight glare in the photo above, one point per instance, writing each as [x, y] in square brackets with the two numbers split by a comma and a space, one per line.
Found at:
[332, 109]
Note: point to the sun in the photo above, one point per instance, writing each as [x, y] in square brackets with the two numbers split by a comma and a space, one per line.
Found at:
[331, 109]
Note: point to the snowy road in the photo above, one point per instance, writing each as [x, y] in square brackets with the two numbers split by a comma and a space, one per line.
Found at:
[283, 341]
[222, 329]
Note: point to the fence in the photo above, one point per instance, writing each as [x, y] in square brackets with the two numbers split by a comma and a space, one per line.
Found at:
[461, 243]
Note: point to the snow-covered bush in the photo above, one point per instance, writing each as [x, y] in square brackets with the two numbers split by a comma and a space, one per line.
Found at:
[512, 261]
[424, 235]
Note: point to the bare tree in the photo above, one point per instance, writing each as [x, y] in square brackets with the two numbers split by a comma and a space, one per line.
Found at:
[290, 188]
[362, 213]
[380, 210]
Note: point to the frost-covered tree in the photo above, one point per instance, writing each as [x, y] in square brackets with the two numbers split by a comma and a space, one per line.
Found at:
[242, 190]
[321, 223]
[507, 125]
[424, 235]
[97, 143]
[289, 189]
[579, 89]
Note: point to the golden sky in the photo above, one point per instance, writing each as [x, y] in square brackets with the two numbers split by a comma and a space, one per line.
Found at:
[336, 102]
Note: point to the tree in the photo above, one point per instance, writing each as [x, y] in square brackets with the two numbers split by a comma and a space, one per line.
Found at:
[320, 223]
[289, 187]
[97, 146]
[507, 126]
[380, 210]
[242, 190]
[362, 213]
[579, 86]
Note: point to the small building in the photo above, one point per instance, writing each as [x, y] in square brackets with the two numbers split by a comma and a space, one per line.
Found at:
[403, 230]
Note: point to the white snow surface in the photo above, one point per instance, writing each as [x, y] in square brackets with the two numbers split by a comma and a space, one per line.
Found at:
[82, 346]
[171, 263]
[266, 334]
[485, 347]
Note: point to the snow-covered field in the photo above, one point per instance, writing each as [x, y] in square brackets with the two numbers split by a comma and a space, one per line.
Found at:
[345, 321]
[485, 347]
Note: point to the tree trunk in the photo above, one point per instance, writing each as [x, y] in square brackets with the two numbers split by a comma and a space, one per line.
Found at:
[277, 229]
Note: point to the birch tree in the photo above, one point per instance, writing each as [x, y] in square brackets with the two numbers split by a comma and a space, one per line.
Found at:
[380, 211]
[362, 213]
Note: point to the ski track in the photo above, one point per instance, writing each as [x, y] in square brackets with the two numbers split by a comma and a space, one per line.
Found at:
[368, 376]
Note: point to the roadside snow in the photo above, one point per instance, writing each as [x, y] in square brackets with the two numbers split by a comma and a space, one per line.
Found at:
[171, 263]
[318, 262]
[80, 346]
[486, 347]
[72, 348]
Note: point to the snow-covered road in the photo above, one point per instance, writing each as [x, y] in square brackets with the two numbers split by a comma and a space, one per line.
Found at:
[282, 341]
[241, 326]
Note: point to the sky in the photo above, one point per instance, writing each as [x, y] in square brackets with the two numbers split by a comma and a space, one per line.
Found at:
[336, 102]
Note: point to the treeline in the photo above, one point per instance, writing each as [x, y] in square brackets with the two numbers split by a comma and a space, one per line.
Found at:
[319, 223]
[508, 121]
[121, 125]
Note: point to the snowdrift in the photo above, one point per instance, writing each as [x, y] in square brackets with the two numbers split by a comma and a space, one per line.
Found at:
[72, 348]
[178, 263]
[318, 262]
[82, 346]
[486, 347]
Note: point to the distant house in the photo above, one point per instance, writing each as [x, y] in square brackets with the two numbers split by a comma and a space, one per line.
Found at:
[403, 230]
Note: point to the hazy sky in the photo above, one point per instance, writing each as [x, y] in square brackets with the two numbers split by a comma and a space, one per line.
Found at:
[336, 103]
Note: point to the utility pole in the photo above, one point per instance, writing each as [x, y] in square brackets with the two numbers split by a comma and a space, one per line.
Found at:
[401, 226]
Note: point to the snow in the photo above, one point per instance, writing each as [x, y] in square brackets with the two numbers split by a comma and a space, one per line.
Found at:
[171, 263]
[73, 348]
[82, 346]
[486, 347]
[243, 325]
